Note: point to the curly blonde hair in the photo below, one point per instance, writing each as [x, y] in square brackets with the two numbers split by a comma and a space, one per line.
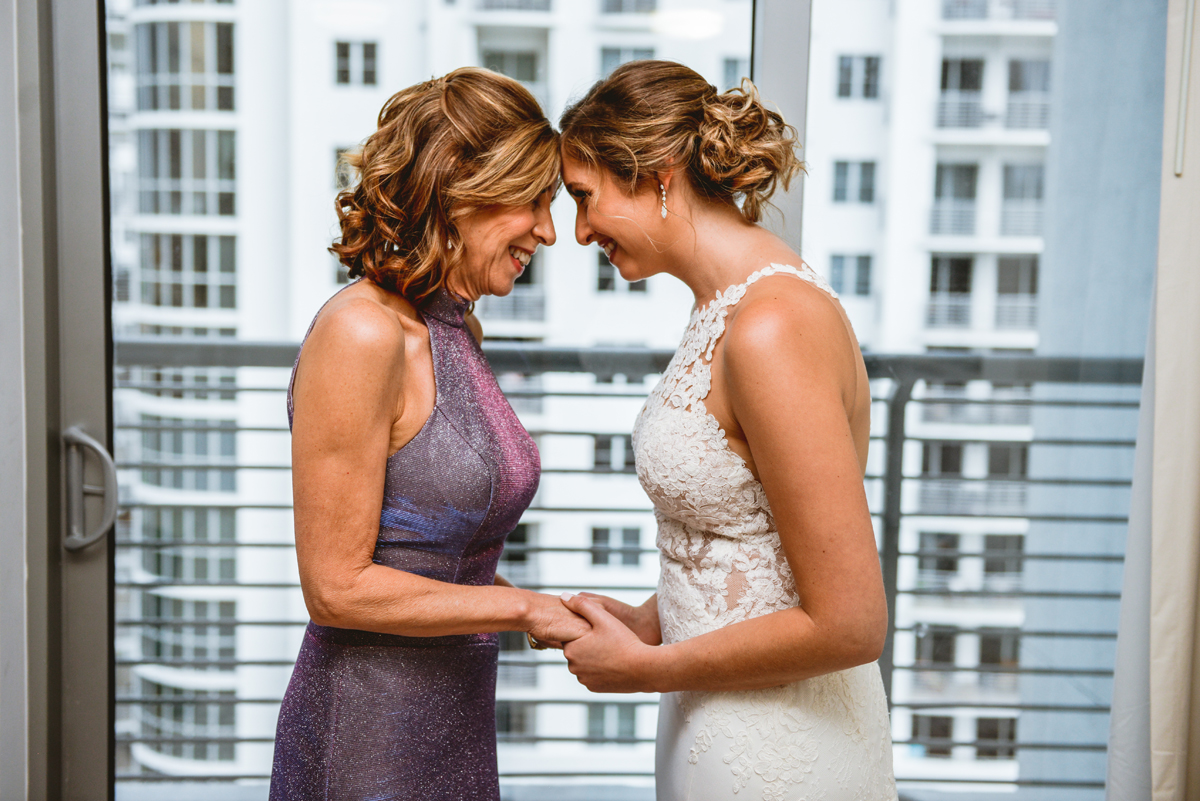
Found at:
[443, 149]
[649, 117]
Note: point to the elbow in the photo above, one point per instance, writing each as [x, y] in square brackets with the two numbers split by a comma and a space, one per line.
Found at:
[329, 604]
[864, 640]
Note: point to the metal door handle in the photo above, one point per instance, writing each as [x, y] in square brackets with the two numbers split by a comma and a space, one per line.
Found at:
[76, 539]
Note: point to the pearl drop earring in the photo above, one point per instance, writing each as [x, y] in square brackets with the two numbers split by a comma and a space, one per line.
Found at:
[663, 211]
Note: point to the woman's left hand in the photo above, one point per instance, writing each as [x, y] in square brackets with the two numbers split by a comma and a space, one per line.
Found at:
[610, 658]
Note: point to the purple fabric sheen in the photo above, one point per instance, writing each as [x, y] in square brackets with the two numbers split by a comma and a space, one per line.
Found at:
[380, 717]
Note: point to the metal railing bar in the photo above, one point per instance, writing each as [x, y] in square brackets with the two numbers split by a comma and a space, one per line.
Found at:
[933, 400]
[997, 670]
[1104, 443]
[1023, 555]
[197, 699]
[1099, 635]
[234, 584]
[232, 663]
[1022, 481]
[1005, 744]
[1025, 516]
[1080, 784]
[917, 705]
[1097, 596]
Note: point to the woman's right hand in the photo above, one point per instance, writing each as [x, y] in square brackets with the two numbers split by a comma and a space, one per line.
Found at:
[641, 620]
[552, 624]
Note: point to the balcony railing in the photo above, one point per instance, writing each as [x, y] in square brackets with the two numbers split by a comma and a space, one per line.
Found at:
[1006, 406]
[952, 217]
[523, 303]
[999, 9]
[514, 5]
[947, 310]
[960, 110]
[1016, 311]
[1072, 553]
[1028, 110]
[1021, 218]
[628, 6]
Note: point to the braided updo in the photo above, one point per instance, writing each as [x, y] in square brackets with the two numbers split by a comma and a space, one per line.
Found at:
[653, 116]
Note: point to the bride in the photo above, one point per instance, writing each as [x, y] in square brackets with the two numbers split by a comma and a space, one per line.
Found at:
[770, 611]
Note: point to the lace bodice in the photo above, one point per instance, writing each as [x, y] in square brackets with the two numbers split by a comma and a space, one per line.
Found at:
[721, 556]
[722, 562]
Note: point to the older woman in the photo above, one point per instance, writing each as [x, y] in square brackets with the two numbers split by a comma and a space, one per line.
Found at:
[770, 609]
[409, 467]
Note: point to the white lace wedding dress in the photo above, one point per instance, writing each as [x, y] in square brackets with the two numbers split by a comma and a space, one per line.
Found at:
[826, 738]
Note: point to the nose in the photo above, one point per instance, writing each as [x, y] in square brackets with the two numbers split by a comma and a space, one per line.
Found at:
[584, 233]
[543, 226]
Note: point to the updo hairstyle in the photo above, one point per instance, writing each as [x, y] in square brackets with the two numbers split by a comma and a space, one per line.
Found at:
[443, 149]
[648, 117]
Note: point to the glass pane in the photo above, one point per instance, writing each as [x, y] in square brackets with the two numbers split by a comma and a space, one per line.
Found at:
[1011, 524]
[222, 215]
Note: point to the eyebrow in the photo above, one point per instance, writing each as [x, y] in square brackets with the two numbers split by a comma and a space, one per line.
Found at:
[574, 187]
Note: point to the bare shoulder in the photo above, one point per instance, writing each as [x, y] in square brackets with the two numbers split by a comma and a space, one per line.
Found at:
[782, 314]
[352, 334]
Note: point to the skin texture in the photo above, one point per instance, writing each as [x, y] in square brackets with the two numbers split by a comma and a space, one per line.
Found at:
[364, 388]
[790, 391]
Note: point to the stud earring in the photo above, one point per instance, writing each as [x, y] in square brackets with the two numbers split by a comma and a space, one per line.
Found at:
[663, 211]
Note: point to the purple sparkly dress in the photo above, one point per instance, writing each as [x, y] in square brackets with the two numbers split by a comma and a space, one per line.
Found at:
[380, 716]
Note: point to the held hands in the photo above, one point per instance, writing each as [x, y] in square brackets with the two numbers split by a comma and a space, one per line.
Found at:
[610, 658]
[641, 620]
[553, 624]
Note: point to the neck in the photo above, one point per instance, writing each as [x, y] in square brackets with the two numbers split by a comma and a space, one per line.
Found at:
[717, 248]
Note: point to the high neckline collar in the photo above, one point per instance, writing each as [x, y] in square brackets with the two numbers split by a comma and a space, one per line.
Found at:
[446, 307]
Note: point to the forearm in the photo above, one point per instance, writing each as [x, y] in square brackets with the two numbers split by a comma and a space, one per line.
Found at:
[382, 599]
[767, 651]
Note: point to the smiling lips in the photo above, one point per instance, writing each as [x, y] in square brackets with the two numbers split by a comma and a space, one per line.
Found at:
[521, 257]
[608, 248]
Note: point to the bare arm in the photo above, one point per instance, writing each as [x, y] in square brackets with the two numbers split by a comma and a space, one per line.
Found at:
[789, 368]
[353, 370]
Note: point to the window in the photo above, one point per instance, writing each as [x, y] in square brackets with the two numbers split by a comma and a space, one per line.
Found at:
[609, 543]
[932, 735]
[1017, 275]
[735, 70]
[955, 182]
[1008, 461]
[514, 718]
[188, 271]
[184, 66]
[942, 459]
[1022, 181]
[195, 631]
[1002, 556]
[174, 440]
[1028, 76]
[999, 648]
[996, 738]
[606, 277]
[854, 181]
[612, 721]
[518, 65]
[858, 76]
[939, 555]
[961, 101]
[186, 171]
[613, 57]
[629, 6]
[356, 63]
[951, 275]
[962, 75]
[515, 646]
[936, 646]
[517, 564]
[613, 453]
[862, 274]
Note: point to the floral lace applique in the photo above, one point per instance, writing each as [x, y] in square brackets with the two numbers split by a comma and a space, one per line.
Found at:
[723, 562]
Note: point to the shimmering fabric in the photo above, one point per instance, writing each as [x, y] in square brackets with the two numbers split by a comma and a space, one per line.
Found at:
[380, 716]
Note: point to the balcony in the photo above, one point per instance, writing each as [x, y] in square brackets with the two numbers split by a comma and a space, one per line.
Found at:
[526, 303]
[1016, 312]
[958, 109]
[947, 310]
[975, 497]
[952, 217]
[1021, 218]
[1028, 110]
[628, 6]
[999, 9]
[514, 5]
[228, 746]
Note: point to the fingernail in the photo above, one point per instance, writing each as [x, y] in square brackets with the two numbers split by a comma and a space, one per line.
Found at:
[566, 596]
